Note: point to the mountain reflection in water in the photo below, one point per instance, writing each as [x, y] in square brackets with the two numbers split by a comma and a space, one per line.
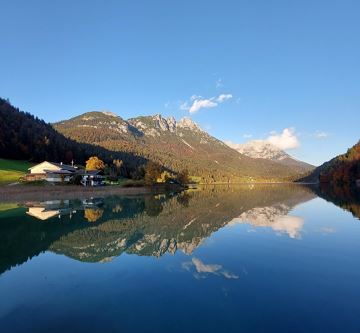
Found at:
[96, 230]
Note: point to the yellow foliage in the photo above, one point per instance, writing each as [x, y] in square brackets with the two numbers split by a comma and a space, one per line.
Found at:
[92, 214]
[164, 177]
[94, 163]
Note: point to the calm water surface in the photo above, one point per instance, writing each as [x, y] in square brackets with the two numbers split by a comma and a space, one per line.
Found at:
[245, 259]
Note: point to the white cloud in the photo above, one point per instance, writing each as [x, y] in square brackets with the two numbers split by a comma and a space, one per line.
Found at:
[202, 104]
[321, 135]
[194, 97]
[198, 102]
[247, 136]
[287, 139]
[219, 83]
[223, 98]
[232, 145]
[184, 106]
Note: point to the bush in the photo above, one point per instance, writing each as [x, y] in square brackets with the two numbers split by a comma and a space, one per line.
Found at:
[133, 183]
[76, 180]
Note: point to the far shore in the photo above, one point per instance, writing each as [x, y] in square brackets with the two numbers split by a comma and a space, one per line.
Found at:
[21, 193]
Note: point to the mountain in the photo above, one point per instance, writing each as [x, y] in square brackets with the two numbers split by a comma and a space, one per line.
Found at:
[265, 150]
[175, 144]
[25, 137]
[342, 169]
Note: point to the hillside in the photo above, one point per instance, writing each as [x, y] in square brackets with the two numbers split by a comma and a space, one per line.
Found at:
[342, 169]
[25, 137]
[12, 170]
[175, 144]
[266, 150]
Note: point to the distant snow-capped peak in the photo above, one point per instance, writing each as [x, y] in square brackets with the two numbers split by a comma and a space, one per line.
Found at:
[259, 149]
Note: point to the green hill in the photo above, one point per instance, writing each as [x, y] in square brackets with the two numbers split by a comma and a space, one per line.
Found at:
[342, 169]
[12, 170]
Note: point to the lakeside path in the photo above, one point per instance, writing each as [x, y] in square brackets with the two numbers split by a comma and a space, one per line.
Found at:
[22, 193]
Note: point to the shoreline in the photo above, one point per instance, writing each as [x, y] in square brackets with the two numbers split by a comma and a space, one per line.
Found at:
[23, 193]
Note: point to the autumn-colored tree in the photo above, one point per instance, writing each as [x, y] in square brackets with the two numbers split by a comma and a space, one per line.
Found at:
[152, 172]
[165, 177]
[92, 214]
[94, 163]
[183, 177]
[117, 165]
[114, 170]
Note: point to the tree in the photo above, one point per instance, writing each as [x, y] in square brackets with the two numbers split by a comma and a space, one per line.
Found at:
[165, 177]
[94, 163]
[152, 172]
[183, 177]
[117, 165]
[138, 173]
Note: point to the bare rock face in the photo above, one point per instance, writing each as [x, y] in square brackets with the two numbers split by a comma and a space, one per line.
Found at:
[188, 124]
[260, 149]
[171, 124]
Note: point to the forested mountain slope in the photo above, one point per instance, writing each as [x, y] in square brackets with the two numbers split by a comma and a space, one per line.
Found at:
[176, 145]
[25, 137]
[343, 168]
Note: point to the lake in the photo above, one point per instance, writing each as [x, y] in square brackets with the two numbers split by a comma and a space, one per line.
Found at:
[254, 258]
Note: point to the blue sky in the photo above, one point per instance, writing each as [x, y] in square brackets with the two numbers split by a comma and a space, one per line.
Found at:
[281, 67]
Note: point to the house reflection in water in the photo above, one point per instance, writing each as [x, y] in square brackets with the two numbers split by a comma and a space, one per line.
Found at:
[48, 209]
[58, 208]
[42, 213]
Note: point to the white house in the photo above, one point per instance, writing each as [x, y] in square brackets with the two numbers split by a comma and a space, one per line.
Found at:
[42, 167]
[52, 172]
[63, 173]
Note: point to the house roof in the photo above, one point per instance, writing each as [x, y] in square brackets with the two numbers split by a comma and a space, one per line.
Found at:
[61, 172]
[88, 172]
[65, 166]
[59, 165]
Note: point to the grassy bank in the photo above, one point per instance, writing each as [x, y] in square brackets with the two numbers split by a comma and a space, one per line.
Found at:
[12, 170]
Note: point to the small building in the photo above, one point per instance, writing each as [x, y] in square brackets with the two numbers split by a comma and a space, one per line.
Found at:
[92, 178]
[57, 173]
[51, 171]
[42, 167]
[58, 176]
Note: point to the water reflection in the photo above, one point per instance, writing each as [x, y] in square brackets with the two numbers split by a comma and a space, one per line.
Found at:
[345, 197]
[273, 217]
[202, 270]
[96, 230]
[57, 208]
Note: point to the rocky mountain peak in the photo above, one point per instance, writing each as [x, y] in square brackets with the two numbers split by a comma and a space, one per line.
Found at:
[109, 113]
[260, 149]
[171, 123]
[165, 124]
[156, 124]
[188, 123]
